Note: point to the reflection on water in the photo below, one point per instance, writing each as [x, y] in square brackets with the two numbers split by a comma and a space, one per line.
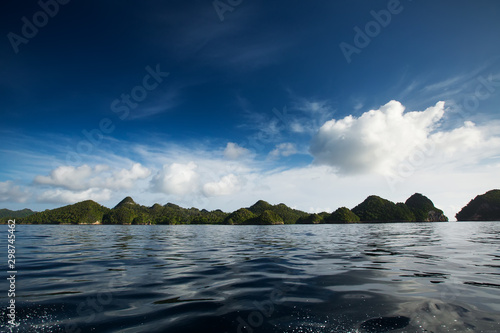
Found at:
[317, 278]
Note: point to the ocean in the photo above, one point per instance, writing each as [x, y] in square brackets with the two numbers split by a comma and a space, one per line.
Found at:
[398, 277]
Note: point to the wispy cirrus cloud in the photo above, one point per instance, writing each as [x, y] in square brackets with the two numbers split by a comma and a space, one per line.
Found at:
[233, 44]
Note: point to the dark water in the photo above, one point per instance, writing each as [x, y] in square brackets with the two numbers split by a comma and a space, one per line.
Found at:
[441, 277]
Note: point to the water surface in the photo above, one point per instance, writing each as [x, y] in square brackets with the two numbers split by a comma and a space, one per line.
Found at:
[407, 277]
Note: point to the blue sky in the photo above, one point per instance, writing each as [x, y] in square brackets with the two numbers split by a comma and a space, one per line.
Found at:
[219, 104]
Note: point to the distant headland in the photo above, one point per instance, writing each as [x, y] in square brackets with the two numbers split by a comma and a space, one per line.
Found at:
[417, 208]
[485, 207]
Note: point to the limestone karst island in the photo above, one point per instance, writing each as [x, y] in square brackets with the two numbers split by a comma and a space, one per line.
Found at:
[417, 208]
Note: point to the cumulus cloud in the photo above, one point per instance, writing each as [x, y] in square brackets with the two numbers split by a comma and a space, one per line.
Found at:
[68, 177]
[228, 184]
[377, 140]
[283, 149]
[12, 193]
[234, 152]
[67, 196]
[101, 176]
[124, 178]
[460, 139]
[177, 179]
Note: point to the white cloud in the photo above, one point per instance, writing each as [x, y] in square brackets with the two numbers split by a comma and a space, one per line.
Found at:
[234, 152]
[228, 184]
[376, 141]
[460, 139]
[177, 179]
[124, 178]
[458, 164]
[70, 197]
[297, 127]
[283, 149]
[68, 177]
[101, 176]
[312, 106]
[12, 193]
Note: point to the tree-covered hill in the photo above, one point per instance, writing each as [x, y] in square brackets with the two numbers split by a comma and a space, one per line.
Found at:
[311, 219]
[126, 202]
[129, 212]
[485, 207]
[424, 210]
[241, 216]
[287, 214]
[259, 207]
[374, 209]
[377, 209]
[268, 217]
[7, 213]
[85, 212]
[342, 215]
[417, 208]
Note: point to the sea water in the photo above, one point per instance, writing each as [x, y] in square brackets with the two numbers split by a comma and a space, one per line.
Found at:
[401, 277]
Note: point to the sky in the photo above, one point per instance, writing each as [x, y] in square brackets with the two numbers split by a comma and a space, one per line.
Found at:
[217, 104]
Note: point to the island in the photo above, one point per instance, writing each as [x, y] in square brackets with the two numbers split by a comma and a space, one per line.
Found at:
[484, 207]
[374, 209]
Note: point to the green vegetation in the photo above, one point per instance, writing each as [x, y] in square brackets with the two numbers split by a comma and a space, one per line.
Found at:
[424, 210]
[7, 214]
[85, 212]
[417, 208]
[127, 211]
[267, 217]
[485, 207]
[128, 201]
[310, 219]
[240, 216]
[377, 209]
[206, 217]
[259, 207]
[287, 214]
[342, 215]
[122, 215]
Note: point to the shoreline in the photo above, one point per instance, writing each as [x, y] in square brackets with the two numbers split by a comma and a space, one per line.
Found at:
[236, 225]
